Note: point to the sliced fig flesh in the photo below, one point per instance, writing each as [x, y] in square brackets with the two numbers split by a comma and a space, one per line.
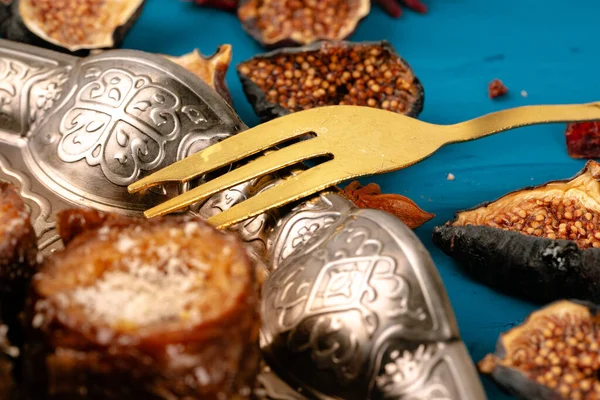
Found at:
[328, 73]
[83, 24]
[554, 354]
[278, 23]
[557, 210]
[539, 243]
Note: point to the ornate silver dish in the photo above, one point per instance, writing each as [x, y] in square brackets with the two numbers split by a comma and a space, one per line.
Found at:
[353, 306]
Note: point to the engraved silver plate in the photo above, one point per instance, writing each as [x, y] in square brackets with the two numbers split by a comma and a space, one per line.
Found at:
[353, 307]
[76, 132]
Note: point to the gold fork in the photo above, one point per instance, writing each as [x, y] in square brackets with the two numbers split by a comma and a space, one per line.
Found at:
[360, 141]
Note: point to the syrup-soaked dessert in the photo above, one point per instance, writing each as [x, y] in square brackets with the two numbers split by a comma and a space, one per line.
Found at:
[18, 252]
[165, 308]
[8, 389]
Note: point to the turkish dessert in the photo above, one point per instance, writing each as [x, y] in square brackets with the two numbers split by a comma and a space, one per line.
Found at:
[496, 89]
[554, 354]
[18, 257]
[370, 196]
[583, 139]
[330, 73]
[71, 26]
[540, 243]
[8, 389]
[279, 23]
[165, 308]
[211, 70]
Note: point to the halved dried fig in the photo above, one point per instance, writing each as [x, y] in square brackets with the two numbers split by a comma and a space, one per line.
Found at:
[278, 23]
[554, 354]
[134, 308]
[73, 25]
[328, 73]
[540, 243]
[583, 139]
[211, 70]
[370, 196]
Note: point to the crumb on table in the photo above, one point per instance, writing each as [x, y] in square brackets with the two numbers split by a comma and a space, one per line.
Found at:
[496, 89]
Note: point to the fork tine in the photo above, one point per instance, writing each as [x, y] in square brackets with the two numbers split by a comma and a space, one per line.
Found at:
[263, 165]
[300, 186]
[228, 151]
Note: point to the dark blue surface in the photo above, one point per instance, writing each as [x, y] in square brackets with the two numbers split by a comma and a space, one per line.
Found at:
[547, 48]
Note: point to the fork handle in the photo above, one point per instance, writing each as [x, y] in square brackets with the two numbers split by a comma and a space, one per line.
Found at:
[522, 116]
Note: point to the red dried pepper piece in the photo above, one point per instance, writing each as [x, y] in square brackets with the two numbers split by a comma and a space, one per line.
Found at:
[227, 5]
[370, 196]
[496, 89]
[583, 139]
[393, 7]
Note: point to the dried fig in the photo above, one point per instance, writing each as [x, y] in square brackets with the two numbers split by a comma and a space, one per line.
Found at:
[554, 354]
[72, 26]
[328, 73]
[279, 23]
[540, 243]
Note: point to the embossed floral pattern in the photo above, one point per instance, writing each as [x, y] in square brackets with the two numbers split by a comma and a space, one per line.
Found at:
[405, 368]
[123, 122]
[48, 96]
[305, 234]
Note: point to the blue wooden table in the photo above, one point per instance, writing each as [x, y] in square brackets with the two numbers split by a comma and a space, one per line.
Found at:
[548, 49]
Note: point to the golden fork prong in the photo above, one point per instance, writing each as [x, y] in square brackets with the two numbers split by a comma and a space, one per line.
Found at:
[220, 154]
[297, 187]
[264, 165]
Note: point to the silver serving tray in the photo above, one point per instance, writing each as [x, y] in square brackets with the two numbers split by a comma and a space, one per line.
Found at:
[353, 306]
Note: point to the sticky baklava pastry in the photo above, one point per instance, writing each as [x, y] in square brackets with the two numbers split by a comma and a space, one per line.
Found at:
[8, 389]
[165, 308]
[18, 252]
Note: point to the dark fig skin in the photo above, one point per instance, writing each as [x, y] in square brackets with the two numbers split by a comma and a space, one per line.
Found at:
[515, 383]
[13, 28]
[532, 268]
[266, 110]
